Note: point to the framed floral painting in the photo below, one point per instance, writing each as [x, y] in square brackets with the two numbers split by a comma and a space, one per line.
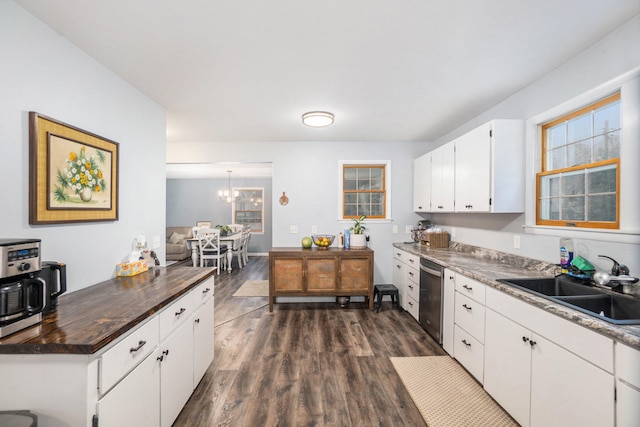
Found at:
[73, 174]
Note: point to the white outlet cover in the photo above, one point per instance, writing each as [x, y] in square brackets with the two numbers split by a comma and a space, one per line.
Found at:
[293, 229]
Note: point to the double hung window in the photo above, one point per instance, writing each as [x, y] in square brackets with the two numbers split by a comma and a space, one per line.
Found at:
[364, 191]
[579, 184]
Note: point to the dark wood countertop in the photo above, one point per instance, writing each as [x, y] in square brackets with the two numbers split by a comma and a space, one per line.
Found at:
[91, 318]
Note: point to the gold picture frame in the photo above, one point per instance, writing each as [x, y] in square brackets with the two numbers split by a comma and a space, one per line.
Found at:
[73, 174]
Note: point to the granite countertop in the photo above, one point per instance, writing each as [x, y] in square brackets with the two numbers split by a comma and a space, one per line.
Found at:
[89, 319]
[487, 266]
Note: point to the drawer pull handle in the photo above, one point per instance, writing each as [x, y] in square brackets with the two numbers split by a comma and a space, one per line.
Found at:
[451, 277]
[206, 290]
[532, 343]
[140, 345]
[410, 303]
[160, 358]
[411, 273]
[467, 307]
[182, 310]
[412, 261]
[468, 344]
[410, 287]
[165, 352]
[469, 288]
[197, 321]
[525, 339]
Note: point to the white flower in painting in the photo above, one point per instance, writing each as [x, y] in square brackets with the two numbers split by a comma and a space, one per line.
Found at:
[74, 170]
[82, 169]
[69, 174]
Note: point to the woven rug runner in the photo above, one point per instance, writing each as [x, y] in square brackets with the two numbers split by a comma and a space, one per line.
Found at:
[446, 395]
[253, 288]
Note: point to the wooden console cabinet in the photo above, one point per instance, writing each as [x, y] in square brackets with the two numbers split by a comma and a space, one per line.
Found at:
[320, 272]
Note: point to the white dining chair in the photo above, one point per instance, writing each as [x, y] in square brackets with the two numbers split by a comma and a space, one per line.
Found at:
[209, 248]
[237, 250]
[246, 236]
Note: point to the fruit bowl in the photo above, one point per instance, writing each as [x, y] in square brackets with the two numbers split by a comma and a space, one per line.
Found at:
[322, 241]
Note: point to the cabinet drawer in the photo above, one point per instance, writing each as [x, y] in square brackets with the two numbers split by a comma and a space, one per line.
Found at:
[471, 288]
[125, 355]
[203, 292]
[469, 352]
[469, 315]
[627, 364]
[173, 316]
[412, 261]
[412, 307]
[412, 290]
[413, 275]
[399, 255]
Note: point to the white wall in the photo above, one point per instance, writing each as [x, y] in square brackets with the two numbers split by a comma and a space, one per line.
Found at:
[41, 71]
[308, 173]
[612, 63]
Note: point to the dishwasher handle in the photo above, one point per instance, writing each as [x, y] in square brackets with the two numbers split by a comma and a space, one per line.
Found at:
[431, 271]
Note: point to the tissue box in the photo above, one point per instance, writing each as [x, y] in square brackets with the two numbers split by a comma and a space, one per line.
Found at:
[131, 268]
[435, 240]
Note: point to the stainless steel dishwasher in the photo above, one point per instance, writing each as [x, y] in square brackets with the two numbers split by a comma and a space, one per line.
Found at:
[430, 305]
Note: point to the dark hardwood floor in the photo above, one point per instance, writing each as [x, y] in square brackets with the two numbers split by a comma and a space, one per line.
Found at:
[305, 364]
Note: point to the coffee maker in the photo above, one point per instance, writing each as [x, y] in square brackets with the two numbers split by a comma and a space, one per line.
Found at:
[22, 296]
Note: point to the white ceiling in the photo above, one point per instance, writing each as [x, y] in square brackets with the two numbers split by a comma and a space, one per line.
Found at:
[390, 70]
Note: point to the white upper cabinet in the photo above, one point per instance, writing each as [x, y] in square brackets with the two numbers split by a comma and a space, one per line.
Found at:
[422, 183]
[481, 171]
[442, 178]
[489, 173]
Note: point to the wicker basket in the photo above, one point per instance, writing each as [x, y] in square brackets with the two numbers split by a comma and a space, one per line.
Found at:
[435, 240]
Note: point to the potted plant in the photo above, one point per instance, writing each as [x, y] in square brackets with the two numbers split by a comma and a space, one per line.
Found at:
[224, 230]
[358, 238]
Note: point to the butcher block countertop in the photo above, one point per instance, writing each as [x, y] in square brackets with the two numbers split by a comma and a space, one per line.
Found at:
[89, 319]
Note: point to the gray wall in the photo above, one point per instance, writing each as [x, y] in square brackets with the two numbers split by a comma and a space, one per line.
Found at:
[191, 200]
[41, 71]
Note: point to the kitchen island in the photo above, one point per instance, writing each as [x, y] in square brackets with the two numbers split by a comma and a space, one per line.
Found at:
[113, 343]
[320, 272]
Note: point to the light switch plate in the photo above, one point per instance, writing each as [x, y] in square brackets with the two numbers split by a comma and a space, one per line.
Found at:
[314, 229]
[516, 241]
[408, 228]
[395, 229]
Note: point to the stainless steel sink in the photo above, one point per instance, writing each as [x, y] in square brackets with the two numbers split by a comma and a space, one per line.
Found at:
[607, 305]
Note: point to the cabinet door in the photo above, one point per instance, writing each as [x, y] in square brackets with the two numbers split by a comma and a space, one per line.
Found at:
[507, 366]
[176, 373]
[287, 274]
[142, 386]
[568, 391]
[321, 274]
[422, 183]
[448, 307]
[203, 344]
[355, 274]
[628, 405]
[399, 278]
[473, 171]
[442, 178]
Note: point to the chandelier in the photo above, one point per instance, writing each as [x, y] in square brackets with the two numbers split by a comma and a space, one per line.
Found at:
[227, 195]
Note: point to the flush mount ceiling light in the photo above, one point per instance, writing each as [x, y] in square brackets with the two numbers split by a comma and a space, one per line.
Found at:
[317, 119]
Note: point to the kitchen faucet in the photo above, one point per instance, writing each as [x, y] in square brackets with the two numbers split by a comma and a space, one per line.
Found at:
[617, 269]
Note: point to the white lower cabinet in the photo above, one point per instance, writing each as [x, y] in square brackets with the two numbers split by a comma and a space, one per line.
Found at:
[160, 385]
[539, 382]
[448, 309]
[203, 344]
[141, 386]
[406, 277]
[627, 386]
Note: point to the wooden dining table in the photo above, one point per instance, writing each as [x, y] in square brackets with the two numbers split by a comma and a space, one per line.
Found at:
[230, 240]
